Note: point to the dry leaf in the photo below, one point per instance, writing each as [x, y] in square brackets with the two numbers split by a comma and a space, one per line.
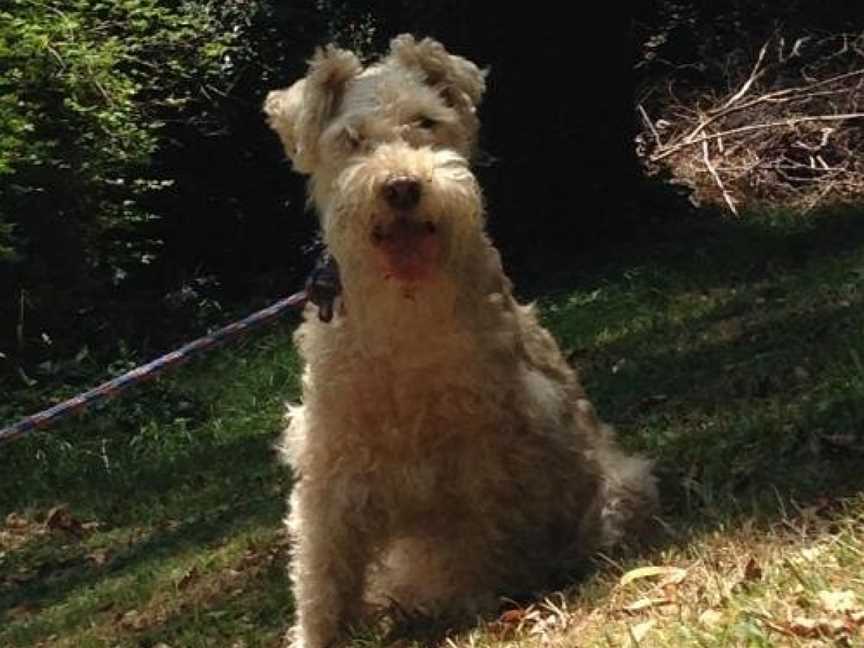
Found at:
[710, 618]
[752, 570]
[60, 518]
[16, 521]
[638, 631]
[652, 571]
[839, 602]
[674, 578]
[512, 617]
[188, 578]
[813, 553]
[804, 627]
[131, 620]
[99, 557]
[645, 603]
[815, 628]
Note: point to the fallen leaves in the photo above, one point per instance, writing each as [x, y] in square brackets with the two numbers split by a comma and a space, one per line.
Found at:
[135, 620]
[839, 616]
[131, 620]
[818, 628]
[187, 578]
[815, 628]
[838, 602]
[17, 530]
[60, 518]
[539, 620]
[752, 571]
[100, 557]
[16, 522]
[835, 615]
[647, 603]
[661, 597]
[672, 575]
[710, 618]
[640, 630]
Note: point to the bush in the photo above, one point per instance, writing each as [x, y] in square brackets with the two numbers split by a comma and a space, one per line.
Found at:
[87, 88]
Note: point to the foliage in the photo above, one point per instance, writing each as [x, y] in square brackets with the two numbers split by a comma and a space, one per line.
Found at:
[87, 88]
[95, 99]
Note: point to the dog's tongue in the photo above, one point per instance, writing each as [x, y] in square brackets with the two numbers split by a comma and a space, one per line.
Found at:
[410, 251]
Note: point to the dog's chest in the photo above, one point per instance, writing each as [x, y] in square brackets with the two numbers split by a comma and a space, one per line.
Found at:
[408, 402]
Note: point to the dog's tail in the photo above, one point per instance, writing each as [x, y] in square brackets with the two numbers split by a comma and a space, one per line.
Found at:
[626, 497]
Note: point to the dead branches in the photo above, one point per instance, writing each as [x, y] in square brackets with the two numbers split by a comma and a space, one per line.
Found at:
[790, 133]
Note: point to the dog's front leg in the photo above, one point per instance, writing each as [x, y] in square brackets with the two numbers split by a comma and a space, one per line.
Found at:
[330, 558]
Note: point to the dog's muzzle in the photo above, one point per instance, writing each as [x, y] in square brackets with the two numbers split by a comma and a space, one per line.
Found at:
[406, 208]
[407, 244]
[402, 193]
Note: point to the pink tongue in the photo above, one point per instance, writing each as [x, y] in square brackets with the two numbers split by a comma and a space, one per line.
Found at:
[410, 251]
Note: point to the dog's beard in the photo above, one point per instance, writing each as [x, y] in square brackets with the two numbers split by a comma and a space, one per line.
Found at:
[407, 251]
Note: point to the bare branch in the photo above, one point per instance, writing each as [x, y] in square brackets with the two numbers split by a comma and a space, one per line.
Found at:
[706, 157]
[746, 129]
[757, 72]
[647, 121]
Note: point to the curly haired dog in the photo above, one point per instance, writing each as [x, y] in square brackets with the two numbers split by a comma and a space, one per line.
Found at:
[445, 451]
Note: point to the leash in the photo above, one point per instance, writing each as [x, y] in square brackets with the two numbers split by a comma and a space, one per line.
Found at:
[322, 288]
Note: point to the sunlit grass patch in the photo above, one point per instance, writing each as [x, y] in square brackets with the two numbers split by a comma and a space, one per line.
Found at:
[733, 353]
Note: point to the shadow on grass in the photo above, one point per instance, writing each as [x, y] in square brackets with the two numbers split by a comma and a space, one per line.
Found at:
[730, 351]
[172, 510]
[715, 248]
[247, 599]
[748, 390]
[249, 608]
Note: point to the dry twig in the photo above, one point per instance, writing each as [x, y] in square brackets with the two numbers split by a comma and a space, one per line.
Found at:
[777, 140]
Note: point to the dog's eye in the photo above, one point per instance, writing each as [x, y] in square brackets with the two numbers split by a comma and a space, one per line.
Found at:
[426, 123]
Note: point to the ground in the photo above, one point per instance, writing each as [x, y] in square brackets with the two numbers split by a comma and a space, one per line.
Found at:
[730, 350]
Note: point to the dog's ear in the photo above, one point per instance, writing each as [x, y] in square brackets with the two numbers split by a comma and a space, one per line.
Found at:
[299, 113]
[459, 81]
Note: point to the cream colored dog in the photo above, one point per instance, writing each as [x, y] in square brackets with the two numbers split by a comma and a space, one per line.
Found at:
[445, 451]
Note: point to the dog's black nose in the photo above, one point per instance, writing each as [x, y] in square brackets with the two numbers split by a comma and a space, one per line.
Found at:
[402, 192]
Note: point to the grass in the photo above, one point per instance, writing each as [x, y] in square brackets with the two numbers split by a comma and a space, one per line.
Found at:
[730, 351]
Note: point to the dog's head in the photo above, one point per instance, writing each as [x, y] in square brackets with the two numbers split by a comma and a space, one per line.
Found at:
[418, 92]
[387, 148]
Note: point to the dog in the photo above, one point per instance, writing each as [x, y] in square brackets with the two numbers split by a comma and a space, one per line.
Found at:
[445, 451]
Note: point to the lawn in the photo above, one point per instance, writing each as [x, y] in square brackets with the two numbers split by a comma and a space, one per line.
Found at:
[731, 351]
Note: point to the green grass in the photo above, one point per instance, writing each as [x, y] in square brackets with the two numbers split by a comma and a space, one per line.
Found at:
[730, 351]
[182, 501]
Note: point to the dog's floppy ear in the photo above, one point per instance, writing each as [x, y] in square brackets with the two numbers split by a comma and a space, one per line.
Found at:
[459, 81]
[299, 113]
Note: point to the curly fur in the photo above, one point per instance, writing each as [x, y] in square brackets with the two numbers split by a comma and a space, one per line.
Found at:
[445, 450]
